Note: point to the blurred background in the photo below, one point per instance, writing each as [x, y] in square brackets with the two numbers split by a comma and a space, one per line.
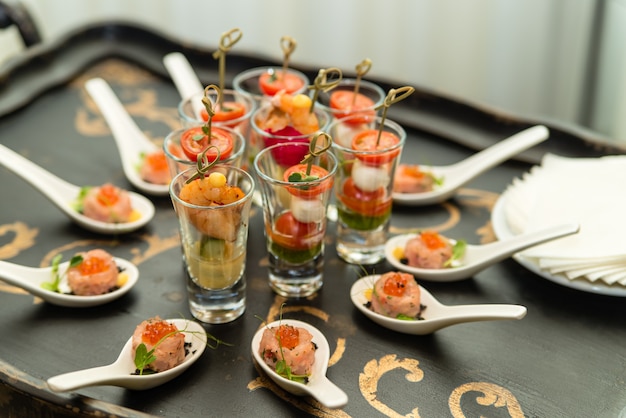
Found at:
[560, 60]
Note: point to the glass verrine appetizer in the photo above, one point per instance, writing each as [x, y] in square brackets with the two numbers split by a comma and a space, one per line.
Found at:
[212, 203]
[295, 197]
[365, 183]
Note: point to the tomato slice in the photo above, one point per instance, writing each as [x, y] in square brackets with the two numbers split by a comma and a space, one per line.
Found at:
[344, 103]
[374, 203]
[228, 111]
[367, 141]
[194, 141]
[293, 234]
[308, 192]
[272, 83]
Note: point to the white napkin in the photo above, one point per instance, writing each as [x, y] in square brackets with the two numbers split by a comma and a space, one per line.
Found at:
[587, 191]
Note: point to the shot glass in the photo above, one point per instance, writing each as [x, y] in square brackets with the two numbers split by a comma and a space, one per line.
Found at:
[363, 190]
[341, 102]
[261, 83]
[295, 216]
[180, 159]
[234, 113]
[262, 135]
[214, 238]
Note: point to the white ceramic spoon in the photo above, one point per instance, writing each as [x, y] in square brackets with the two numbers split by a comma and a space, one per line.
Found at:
[131, 142]
[435, 315]
[63, 195]
[319, 387]
[121, 372]
[457, 175]
[31, 278]
[476, 257]
[184, 77]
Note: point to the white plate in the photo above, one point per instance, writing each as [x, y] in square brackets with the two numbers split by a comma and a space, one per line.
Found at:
[502, 231]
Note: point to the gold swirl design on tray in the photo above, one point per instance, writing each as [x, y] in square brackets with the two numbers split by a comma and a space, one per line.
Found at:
[493, 395]
[24, 239]
[375, 369]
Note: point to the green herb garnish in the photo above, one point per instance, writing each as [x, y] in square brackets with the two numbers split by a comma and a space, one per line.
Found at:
[53, 286]
[404, 317]
[458, 251]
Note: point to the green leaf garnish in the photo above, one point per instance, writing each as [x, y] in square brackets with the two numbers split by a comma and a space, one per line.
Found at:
[53, 285]
[458, 251]
[404, 317]
[298, 177]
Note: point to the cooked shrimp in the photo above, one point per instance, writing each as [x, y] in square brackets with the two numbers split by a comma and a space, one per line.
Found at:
[221, 224]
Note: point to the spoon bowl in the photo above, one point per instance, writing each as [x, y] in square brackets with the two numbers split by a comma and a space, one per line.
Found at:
[318, 386]
[476, 257]
[435, 314]
[31, 278]
[63, 194]
[457, 175]
[131, 142]
[121, 372]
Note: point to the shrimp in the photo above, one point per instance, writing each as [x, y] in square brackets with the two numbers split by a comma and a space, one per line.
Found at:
[220, 224]
[294, 111]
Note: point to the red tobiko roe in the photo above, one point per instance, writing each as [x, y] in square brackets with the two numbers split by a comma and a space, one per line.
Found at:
[287, 157]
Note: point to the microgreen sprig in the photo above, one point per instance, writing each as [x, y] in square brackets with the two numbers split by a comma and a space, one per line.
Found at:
[53, 286]
[227, 41]
[288, 45]
[458, 251]
[326, 80]
[361, 68]
[393, 96]
[311, 157]
[143, 357]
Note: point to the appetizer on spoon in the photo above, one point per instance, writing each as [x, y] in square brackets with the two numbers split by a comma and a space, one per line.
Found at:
[448, 179]
[64, 195]
[52, 284]
[123, 372]
[402, 305]
[143, 161]
[295, 356]
[412, 253]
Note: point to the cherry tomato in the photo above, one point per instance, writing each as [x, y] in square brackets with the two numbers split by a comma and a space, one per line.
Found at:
[272, 83]
[367, 141]
[344, 104]
[374, 203]
[290, 233]
[194, 141]
[311, 191]
[228, 111]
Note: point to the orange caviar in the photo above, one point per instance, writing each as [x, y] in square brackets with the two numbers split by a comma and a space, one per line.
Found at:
[432, 240]
[288, 336]
[109, 195]
[157, 161]
[93, 265]
[395, 285]
[156, 330]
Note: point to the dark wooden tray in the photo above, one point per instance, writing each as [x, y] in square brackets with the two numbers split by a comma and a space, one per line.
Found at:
[565, 359]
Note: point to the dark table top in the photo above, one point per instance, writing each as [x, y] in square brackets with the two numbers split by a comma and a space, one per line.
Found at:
[566, 358]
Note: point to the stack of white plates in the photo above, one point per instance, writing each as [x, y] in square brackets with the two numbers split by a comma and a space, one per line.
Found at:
[587, 191]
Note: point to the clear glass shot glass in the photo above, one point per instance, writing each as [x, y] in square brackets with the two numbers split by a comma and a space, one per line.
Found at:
[214, 242]
[261, 83]
[364, 185]
[295, 216]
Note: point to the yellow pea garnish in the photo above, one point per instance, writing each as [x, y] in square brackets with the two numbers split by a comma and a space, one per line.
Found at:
[398, 253]
[122, 278]
[217, 179]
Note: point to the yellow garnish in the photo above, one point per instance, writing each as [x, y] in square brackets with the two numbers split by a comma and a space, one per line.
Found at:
[301, 101]
[135, 215]
[122, 278]
[368, 293]
[398, 253]
[217, 179]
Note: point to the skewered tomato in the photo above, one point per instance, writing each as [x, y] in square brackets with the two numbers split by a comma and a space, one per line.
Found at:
[369, 141]
[194, 141]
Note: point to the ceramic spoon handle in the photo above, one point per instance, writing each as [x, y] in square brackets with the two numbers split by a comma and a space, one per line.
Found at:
[47, 183]
[329, 394]
[82, 378]
[184, 78]
[501, 151]
[487, 312]
[17, 275]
